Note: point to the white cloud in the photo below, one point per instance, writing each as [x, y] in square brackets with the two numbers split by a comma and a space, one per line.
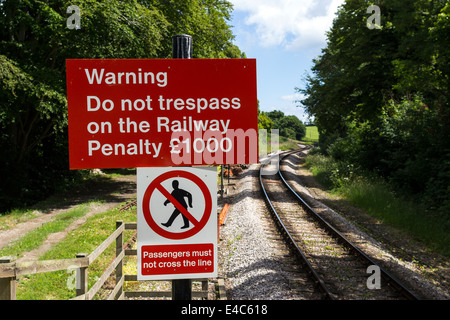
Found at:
[290, 109]
[288, 106]
[293, 24]
[293, 97]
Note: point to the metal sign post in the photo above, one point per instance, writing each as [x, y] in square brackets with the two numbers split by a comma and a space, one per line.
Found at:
[182, 49]
[182, 46]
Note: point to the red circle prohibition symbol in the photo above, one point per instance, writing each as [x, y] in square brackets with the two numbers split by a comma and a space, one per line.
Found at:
[156, 185]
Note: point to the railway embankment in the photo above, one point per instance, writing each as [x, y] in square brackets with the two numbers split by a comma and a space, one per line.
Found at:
[255, 264]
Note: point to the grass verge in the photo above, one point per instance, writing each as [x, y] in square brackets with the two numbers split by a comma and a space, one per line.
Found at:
[312, 134]
[35, 238]
[60, 285]
[380, 200]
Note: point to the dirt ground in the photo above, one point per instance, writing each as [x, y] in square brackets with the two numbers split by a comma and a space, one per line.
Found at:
[106, 192]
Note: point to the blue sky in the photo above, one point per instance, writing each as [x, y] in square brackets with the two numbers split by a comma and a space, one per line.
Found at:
[284, 36]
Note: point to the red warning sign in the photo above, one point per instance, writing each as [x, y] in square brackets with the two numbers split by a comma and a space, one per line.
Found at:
[127, 113]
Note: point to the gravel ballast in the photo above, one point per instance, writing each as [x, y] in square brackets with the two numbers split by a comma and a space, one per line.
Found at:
[250, 259]
[256, 266]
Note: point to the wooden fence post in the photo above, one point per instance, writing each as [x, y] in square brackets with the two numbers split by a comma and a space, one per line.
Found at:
[7, 285]
[82, 277]
[119, 249]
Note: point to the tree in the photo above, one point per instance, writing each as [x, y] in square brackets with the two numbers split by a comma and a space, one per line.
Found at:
[380, 96]
[354, 75]
[295, 125]
[34, 45]
[205, 20]
[289, 126]
[276, 116]
[264, 122]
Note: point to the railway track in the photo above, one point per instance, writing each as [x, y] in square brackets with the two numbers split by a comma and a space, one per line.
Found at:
[340, 269]
[128, 205]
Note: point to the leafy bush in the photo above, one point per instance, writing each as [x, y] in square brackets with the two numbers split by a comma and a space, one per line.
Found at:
[290, 126]
[34, 45]
[380, 97]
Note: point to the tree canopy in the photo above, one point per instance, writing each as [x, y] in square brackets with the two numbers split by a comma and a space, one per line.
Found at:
[289, 126]
[380, 97]
[34, 44]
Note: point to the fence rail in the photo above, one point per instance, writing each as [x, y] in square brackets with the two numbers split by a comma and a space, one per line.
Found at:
[10, 270]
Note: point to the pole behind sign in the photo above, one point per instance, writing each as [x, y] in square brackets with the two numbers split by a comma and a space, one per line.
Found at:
[182, 49]
[182, 46]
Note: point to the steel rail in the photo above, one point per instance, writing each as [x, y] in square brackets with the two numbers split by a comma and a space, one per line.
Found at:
[341, 238]
[293, 244]
[128, 205]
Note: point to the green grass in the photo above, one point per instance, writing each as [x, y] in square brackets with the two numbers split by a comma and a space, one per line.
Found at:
[321, 167]
[288, 144]
[60, 285]
[312, 134]
[16, 216]
[36, 237]
[380, 200]
[285, 143]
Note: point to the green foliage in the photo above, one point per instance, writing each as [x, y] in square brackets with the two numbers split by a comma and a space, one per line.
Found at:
[289, 126]
[330, 173]
[60, 285]
[377, 197]
[288, 133]
[34, 45]
[264, 122]
[380, 97]
[205, 20]
[312, 134]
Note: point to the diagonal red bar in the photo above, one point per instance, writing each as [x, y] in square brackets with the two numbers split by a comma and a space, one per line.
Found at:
[177, 204]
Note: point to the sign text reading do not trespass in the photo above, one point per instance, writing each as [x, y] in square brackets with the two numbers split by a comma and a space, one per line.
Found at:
[140, 113]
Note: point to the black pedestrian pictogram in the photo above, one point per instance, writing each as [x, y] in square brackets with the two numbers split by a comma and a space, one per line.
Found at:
[179, 195]
[153, 213]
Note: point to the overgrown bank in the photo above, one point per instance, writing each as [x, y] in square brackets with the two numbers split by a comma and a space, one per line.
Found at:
[382, 200]
[380, 98]
[60, 285]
